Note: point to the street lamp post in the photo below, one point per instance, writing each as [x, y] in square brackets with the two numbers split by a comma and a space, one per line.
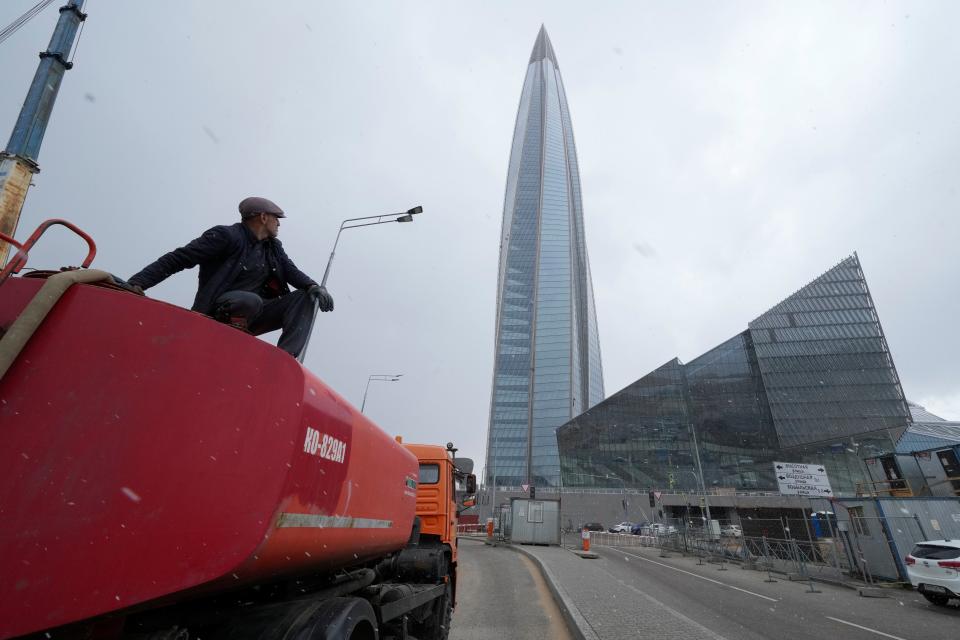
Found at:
[354, 223]
[703, 486]
[378, 377]
[623, 496]
[706, 499]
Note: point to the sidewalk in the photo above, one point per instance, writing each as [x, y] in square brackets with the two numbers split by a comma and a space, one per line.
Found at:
[604, 610]
[638, 592]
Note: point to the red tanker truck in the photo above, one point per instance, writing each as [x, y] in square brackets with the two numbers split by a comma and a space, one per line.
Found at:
[166, 477]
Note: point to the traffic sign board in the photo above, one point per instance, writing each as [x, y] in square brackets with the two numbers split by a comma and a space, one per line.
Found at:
[525, 487]
[657, 494]
[797, 479]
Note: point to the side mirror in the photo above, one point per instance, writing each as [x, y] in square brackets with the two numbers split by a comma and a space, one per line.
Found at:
[471, 484]
[464, 465]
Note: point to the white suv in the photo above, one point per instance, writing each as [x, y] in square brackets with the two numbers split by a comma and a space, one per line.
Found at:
[934, 569]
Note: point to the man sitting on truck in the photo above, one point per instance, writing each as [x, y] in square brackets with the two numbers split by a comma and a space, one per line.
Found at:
[245, 276]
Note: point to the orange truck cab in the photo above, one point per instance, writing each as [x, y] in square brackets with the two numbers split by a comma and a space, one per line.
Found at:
[443, 483]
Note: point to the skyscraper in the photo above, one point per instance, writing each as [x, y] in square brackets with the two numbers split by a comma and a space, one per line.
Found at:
[547, 364]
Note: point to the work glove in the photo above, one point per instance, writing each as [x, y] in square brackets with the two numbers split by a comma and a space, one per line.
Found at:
[324, 299]
[129, 286]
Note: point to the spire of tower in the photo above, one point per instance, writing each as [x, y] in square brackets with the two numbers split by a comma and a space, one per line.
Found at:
[543, 49]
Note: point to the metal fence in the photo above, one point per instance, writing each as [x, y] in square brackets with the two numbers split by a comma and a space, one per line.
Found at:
[472, 529]
[825, 558]
[859, 539]
[860, 552]
[878, 544]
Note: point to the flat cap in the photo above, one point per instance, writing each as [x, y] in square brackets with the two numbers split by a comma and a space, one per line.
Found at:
[254, 206]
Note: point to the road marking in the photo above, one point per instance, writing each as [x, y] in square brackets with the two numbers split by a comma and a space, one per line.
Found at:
[697, 575]
[879, 633]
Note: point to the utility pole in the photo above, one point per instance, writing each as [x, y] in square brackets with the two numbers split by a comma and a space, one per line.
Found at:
[18, 162]
[493, 499]
[703, 485]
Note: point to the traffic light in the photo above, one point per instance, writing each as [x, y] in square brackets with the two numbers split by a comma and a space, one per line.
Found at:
[533, 492]
[653, 499]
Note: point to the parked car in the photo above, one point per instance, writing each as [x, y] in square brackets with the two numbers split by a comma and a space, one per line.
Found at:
[934, 569]
[731, 531]
[593, 526]
[638, 529]
[623, 527]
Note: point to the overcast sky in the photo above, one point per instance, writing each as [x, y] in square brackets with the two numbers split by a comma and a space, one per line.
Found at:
[729, 153]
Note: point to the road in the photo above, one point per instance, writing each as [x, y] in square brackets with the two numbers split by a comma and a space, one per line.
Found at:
[739, 605]
[501, 594]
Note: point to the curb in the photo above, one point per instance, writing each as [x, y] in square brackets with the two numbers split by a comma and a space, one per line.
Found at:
[576, 623]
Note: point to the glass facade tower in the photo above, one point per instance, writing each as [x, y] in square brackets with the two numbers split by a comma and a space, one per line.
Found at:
[811, 380]
[547, 364]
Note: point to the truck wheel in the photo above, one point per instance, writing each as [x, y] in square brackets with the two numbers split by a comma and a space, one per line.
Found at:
[326, 619]
[937, 599]
[336, 619]
[437, 626]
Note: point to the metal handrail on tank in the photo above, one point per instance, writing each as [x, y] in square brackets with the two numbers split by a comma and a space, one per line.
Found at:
[20, 259]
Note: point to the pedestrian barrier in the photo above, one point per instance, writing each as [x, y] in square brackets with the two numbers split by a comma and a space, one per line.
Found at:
[604, 539]
[822, 558]
[478, 530]
[834, 540]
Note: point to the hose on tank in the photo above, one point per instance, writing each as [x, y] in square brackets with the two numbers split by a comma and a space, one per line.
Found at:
[32, 316]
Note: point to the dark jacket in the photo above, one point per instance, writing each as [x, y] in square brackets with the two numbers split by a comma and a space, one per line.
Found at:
[221, 252]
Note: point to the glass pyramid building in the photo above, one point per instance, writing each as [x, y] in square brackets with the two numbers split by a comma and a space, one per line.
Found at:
[825, 363]
[811, 380]
[547, 364]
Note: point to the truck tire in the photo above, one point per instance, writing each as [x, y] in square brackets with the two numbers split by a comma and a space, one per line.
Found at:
[336, 619]
[437, 625]
[341, 618]
[936, 598]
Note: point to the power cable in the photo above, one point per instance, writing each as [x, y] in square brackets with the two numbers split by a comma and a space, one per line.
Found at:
[31, 13]
[83, 21]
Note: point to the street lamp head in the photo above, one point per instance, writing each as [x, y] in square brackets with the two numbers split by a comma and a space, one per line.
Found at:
[417, 209]
[406, 218]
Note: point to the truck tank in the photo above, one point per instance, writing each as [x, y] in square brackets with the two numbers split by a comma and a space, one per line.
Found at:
[151, 454]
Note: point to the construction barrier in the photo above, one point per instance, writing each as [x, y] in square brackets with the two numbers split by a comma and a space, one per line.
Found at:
[472, 529]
